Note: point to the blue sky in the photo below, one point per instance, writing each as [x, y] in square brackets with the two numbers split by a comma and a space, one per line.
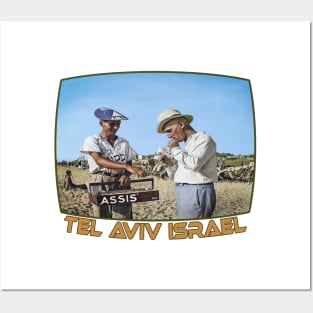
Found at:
[221, 106]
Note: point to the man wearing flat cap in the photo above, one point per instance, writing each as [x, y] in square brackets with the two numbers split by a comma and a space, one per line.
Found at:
[110, 159]
[195, 171]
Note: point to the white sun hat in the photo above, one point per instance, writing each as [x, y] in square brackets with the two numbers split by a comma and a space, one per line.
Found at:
[169, 115]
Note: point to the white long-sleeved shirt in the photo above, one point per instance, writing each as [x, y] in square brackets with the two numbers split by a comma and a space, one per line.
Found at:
[196, 163]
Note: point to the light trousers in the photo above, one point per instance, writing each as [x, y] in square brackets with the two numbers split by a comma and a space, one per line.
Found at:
[195, 201]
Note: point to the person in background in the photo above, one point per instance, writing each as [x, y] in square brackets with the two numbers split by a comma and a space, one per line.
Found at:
[194, 171]
[110, 160]
[68, 183]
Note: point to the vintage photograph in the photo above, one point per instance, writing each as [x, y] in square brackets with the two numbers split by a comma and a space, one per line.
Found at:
[155, 146]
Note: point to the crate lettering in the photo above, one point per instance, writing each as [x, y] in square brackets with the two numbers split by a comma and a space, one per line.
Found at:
[114, 199]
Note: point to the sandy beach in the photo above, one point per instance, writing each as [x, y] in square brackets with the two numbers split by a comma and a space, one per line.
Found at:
[233, 198]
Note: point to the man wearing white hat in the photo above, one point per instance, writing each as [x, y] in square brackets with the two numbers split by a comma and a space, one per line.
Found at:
[195, 171]
[109, 157]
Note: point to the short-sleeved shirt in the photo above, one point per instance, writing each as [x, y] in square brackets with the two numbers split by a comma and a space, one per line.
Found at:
[120, 152]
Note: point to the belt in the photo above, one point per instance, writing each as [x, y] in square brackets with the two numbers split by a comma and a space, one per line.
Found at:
[111, 174]
[186, 184]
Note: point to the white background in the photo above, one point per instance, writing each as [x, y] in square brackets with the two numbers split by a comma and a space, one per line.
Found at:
[36, 251]
[274, 56]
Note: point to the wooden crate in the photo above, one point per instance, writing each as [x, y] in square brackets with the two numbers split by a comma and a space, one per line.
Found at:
[99, 196]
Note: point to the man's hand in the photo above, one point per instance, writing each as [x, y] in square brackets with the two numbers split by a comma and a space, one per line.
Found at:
[173, 143]
[166, 161]
[135, 170]
[124, 180]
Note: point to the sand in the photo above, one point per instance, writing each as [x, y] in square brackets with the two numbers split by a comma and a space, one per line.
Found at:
[232, 198]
